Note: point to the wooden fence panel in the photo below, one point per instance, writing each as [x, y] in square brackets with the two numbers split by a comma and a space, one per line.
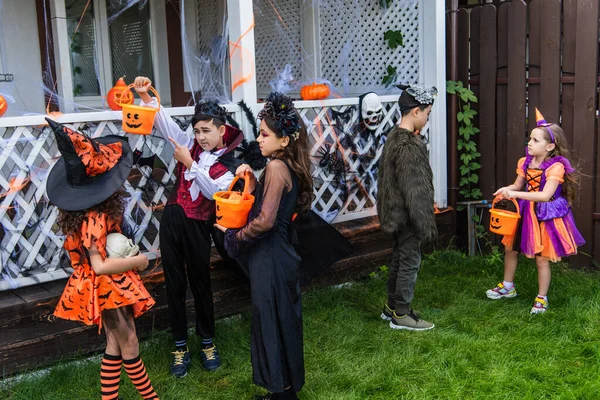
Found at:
[502, 97]
[584, 146]
[463, 46]
[475, 50]
[474, 61]
[596, 211]
[534, 65]
[517, 37]
[487, 101]
[537, 53]
[568, 66]
[550, 60]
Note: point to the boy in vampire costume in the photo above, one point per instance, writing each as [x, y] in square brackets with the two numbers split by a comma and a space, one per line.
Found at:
[206, 164]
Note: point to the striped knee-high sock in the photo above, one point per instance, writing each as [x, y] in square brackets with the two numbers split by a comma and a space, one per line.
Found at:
[110, 376]
[139, 377]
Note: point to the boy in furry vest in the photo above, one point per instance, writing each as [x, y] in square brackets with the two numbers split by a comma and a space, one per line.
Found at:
[405, 204]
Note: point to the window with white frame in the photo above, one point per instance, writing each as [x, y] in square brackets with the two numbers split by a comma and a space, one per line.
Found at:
[104, 40]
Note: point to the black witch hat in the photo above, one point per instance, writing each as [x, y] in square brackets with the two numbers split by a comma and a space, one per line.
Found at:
[90, 169]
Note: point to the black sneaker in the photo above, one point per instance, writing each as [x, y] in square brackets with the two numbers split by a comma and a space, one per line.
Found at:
[410, 322]
[181, 363]
[387, 312]
[210, 358]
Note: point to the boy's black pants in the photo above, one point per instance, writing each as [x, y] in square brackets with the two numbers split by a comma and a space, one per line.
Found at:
[185, 246]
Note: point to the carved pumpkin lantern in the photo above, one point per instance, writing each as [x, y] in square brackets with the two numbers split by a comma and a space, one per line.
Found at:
[315, 91]
[3, 105]
[137, 119]
[117, 96]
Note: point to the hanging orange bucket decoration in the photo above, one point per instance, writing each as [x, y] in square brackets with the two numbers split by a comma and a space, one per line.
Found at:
[137, 119]
[116, 96]
[504, 222]
[233, 207]
[3, 105]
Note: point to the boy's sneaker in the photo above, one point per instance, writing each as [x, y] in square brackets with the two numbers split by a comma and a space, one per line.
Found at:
[181, 363]
[539, 306]
[387, 312]
[500, 292]
[410, 322]
[210, 358]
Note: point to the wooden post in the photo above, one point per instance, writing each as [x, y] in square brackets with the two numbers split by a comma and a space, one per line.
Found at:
[62, 56]
[434, 57]
[517, 46]
[487, 101]
[584, 124]
[453, 109]
[242, 56]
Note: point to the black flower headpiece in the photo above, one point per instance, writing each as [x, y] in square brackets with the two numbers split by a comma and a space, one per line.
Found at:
[212, 109]
[281, 109]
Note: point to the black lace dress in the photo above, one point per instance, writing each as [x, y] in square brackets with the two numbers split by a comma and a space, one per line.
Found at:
[264, 246]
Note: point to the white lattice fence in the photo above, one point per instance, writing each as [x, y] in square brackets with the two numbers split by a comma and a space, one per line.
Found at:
[346, 191]
[31, 244]
[351, 51]
[354, 55]
[30, 241]
[277, 40]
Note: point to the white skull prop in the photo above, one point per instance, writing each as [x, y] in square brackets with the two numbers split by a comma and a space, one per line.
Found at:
[371, 111]
[120, 246]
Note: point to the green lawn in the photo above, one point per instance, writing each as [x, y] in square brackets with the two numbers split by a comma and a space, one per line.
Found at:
[480, 349]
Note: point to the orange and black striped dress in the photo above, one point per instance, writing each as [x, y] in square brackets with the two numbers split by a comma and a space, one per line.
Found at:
[88, 294]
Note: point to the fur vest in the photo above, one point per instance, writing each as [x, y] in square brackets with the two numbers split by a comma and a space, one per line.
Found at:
[405, 186]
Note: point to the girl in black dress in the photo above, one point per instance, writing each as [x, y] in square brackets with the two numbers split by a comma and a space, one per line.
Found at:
[265, 246]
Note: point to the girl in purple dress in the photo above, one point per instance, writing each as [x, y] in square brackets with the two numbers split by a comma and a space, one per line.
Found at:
[547, 229]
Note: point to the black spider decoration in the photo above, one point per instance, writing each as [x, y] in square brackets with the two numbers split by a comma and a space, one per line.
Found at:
[330, 161]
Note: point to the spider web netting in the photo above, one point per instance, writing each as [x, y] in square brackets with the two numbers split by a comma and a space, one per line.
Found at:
[185, 48]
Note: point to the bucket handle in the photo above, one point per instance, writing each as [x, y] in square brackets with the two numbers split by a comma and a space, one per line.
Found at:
[515, 202]
[129, 87]
[246, 184]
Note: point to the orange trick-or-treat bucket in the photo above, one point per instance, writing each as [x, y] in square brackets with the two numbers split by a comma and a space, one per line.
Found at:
[233, 207]
[137, 119]
[504, 222]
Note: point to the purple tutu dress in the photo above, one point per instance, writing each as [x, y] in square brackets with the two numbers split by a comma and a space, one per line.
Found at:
[547, 228]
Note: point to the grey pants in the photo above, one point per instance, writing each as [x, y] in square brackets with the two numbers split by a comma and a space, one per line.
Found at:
[402, 270]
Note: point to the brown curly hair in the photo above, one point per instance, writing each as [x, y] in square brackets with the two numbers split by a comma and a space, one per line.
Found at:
[70, 221]
[296, 155]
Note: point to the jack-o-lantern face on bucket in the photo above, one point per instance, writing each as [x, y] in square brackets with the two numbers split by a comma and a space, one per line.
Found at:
[133, 120]
[219, 215]
[495, 222]
[137, 119]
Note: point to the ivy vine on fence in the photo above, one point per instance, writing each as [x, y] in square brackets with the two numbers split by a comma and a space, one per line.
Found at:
[467, 149]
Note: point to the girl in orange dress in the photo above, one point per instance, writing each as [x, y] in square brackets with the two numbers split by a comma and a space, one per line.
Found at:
[547, 229]
[84, 184]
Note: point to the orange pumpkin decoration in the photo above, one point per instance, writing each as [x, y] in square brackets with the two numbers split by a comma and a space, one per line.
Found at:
[117, 96]
[314, 91]
[3, 105]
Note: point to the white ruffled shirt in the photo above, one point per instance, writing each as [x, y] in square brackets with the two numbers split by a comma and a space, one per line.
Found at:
[199, 171]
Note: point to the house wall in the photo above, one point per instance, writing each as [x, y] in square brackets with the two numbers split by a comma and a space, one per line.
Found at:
[20, 56]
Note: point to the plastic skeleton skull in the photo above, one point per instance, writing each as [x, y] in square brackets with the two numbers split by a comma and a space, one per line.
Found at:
[120, 246]
[371, 111]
